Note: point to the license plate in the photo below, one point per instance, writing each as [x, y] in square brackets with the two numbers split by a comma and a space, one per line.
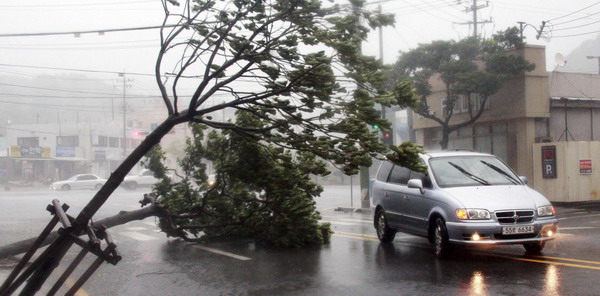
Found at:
[508, 230]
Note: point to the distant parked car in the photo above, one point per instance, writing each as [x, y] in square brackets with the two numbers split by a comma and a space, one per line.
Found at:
[144, 178]
[81, 181]
[465, 198]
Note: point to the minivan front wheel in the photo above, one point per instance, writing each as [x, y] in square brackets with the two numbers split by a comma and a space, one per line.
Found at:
[384, 233]
[441, 241]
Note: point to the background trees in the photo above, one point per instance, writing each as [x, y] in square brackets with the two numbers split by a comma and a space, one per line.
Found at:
[472, 68]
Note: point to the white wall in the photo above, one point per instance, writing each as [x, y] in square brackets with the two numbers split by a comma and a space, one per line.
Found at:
[570, 185]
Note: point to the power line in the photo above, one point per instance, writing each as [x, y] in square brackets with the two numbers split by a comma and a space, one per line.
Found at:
[574, 12]
[55, 89]
[77, 70]
[81, 48]
[102, 31]
[72, 97]
[584, 25]
[86, 43]
[583, 17]
[574, 35]
[76, 5]
[55, 77]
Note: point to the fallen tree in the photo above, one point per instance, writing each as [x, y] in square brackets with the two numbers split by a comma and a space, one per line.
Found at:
[292, 63]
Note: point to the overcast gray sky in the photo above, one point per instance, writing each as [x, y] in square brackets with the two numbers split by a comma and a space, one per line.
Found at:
[417, 21]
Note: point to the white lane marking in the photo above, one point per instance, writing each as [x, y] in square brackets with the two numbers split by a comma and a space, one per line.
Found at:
[138, 236]
[223, 253]
[363, 235]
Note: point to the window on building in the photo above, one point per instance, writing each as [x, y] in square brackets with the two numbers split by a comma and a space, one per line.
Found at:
[113, 142]
[464, 103]
[102, 141]
[67, 141]
[29, 141]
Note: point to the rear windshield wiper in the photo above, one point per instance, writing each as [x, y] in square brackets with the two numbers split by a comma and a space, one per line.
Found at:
[462, 170]
[502, 172]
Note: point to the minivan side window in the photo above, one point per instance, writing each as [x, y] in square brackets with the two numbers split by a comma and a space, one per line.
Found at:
[399, 175]
[420, 176]
[384, 171]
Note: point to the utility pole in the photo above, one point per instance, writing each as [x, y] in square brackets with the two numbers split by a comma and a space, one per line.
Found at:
[380, 39]
[126, 83]
[474, 8]
[364, 171]
[381, 56]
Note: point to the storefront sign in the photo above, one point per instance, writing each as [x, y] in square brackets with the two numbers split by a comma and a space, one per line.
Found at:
[31, 151]
[585, 166]
[549, 162]
[15, 151]
[46, 152]
[62, 151]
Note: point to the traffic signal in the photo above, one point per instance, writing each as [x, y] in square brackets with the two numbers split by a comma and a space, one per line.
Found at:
[138, 133]
[387, 137]
[376, 127]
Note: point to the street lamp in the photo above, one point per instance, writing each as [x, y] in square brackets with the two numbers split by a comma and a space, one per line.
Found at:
[595, 57]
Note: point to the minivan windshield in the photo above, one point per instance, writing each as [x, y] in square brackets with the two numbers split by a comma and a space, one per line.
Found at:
[457, 171]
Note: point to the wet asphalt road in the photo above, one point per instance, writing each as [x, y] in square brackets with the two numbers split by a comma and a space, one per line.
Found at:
[354, 263]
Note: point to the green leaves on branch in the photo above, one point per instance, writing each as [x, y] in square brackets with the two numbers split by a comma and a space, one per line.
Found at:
[407, 155]
[262, 192]
[306, 83]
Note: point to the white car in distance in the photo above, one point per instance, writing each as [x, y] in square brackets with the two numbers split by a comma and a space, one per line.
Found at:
[81, 181]
[144, 178]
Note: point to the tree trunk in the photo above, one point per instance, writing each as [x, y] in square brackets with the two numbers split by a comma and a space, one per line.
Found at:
[445, 138]
[118, 219]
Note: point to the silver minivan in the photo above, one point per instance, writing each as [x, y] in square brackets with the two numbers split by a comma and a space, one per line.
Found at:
[466, 198]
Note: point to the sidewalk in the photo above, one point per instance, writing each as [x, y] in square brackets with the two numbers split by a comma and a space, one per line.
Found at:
[570, 207]
[18, 186]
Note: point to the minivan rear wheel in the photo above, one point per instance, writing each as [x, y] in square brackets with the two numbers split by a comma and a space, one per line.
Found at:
[441, 241]
[534, 248]
[384, 233]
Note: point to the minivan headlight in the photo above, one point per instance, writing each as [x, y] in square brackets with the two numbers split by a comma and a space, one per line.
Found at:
[472, 214]
[545, 211]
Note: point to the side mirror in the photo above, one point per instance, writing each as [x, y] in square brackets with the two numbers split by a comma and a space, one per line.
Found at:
[523, 179]
[417, 184]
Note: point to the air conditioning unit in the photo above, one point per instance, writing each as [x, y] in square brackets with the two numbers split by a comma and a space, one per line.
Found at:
[544, 139]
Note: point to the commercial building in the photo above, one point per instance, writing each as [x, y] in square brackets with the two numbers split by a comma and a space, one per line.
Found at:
[532, 110]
